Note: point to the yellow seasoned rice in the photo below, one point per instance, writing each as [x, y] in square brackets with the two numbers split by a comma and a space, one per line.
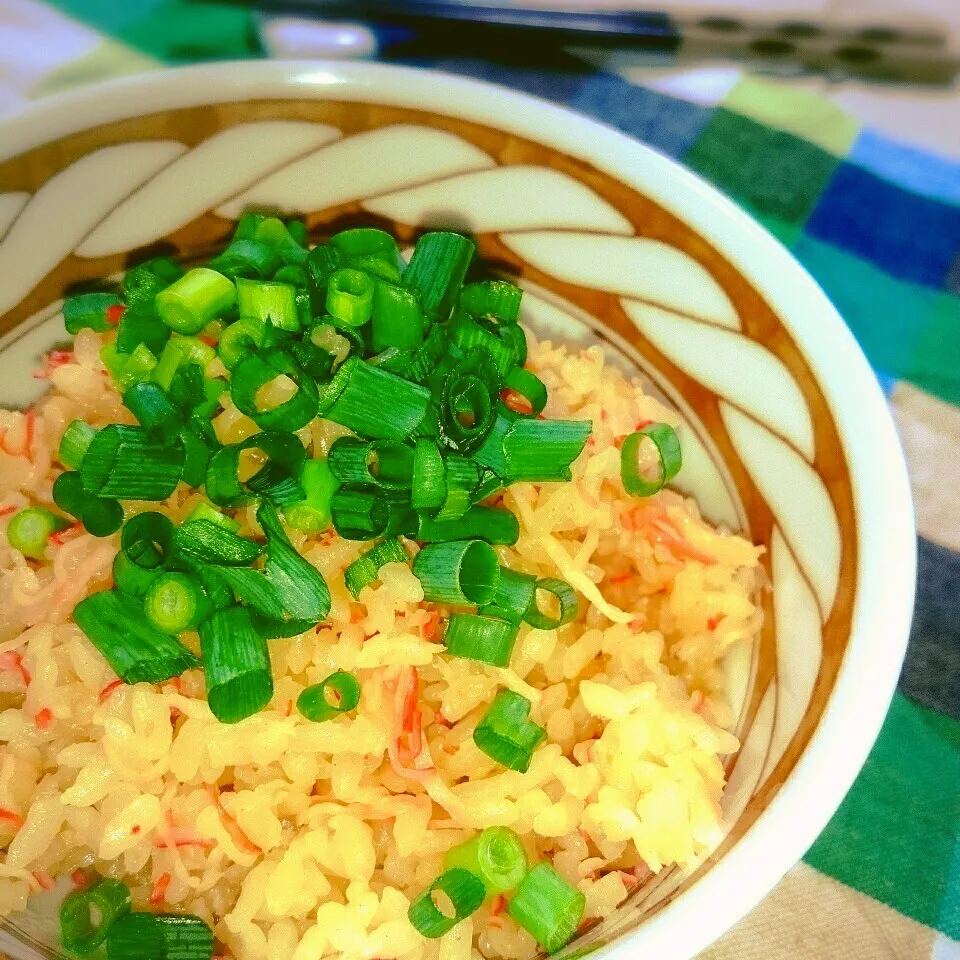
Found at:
[316, 845]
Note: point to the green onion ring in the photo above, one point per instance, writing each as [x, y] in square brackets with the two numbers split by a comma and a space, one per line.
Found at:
[665, 439]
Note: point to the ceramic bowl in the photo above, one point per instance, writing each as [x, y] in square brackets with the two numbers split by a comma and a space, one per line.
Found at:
[787, 436]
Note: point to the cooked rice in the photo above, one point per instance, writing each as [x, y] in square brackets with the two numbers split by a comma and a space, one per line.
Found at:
[298, 840]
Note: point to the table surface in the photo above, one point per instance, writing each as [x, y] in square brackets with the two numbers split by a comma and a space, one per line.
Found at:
[862, 182]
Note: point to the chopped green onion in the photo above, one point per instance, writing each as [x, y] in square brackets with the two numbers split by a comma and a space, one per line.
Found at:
[252, 588]
[304, 305]
[359, 514]
[461, 476]
[171, 359]
[88, 310]
[339, 693]
[381, 270]
[194, 351]
[427, 355]
[203, 511]
[302, 590]
[375, 403]
[246, 257]
[273, 302]
[458, 572]
[255, 371]
[492, 298]
[401, 519]
[547, 907]
[392, 359]
[101, 516]
[323, 261]
[506, 734]
[669, 454]
[366, 568]
[131, 578]
[382, 463]
[285, 456]
[128, 463]
[429, 488]
[542, 450]
[148, 540]
[468, 334]
[312, 513]
[436, 271]
[566, 598]
[241, 338]
[174, 603]
[464, 893]
[290, 591]
[215, 588]
[236, 665]
[276, 486]
[159, 936]
[196, 457]
[270, 628]
[429, 426]
[468, 401]
[478, 637]
[398, 320]
[512, 337]
[273, 232]
[318, 361]
[87, 915]
[516, 592]
[199, 296]
[186, 389]
[124, 370]
[350, 296]
[478, 523]
[529, 386]
[467, 412]
[68, 493]
[136, 650]
[136, 328]
[213, 390]
[299, 231]
[75, 442]
[29, 530]
[490, 454]
[151, 405]
[293, 274]
[204, 541]
[246, 228]
[496, 856]
[143, 282]
[489, 485]
[366, 242]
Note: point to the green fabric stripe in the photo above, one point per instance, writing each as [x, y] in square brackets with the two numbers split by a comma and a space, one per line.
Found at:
[896, 834]
[180, 31]
[175, 31]
[771, 173]
[909, 331]
[793, 110]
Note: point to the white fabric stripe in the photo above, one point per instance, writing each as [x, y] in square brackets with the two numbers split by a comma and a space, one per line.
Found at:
[811, 916]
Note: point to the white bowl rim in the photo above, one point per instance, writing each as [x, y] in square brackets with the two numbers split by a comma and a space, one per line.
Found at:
[886, 536]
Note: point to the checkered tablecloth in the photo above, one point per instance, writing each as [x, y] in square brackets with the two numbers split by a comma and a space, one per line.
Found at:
[876, 219]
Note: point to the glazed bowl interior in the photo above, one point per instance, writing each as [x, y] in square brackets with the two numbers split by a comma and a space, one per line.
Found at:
[786, 435]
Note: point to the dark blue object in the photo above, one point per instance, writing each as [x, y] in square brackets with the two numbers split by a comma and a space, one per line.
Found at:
[908, 236]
